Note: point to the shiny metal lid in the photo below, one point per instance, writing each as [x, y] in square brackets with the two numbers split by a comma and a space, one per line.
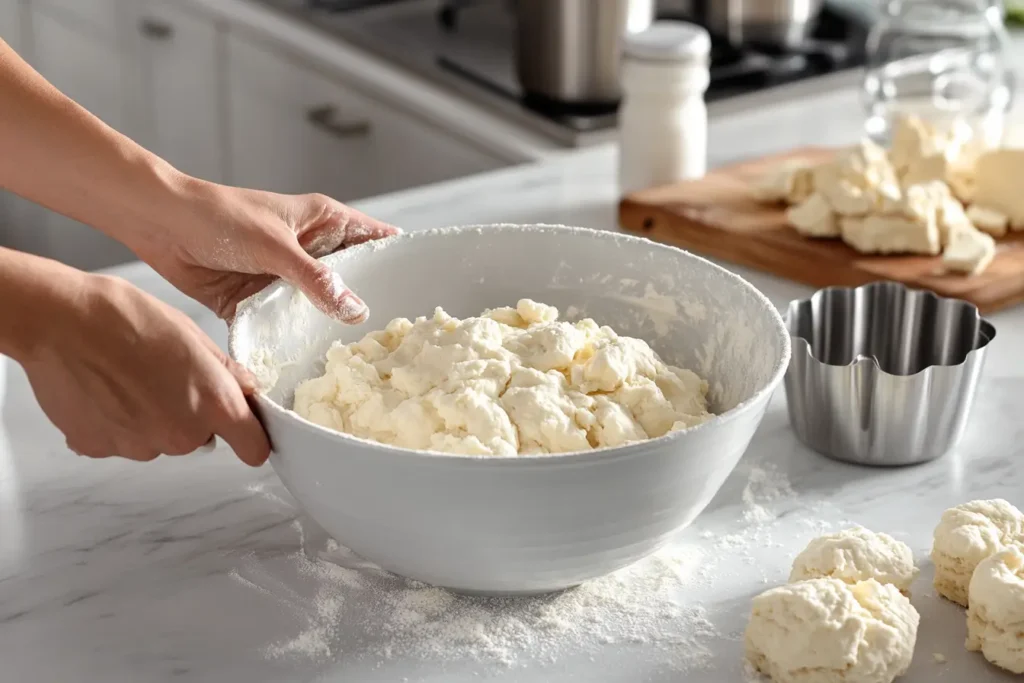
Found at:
[669, 41]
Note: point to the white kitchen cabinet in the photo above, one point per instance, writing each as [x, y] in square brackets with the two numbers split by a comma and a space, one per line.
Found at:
[100, 74]
[184, 96]
[104, 77]
[150, 69]
[13, 210]
[12, 28]
[98, 17]
[294, 129]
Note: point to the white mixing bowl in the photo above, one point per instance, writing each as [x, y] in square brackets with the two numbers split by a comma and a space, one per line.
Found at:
[529, 524]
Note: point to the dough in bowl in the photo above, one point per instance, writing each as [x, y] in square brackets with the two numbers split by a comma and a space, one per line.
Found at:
[965, 536]
[856, 554]
[510, 381]
[830, 631]
[995, 618]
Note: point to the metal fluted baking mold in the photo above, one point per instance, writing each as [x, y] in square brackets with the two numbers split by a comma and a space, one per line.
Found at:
[883, 374]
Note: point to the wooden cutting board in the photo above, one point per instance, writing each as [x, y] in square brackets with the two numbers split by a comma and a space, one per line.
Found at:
[717, 216]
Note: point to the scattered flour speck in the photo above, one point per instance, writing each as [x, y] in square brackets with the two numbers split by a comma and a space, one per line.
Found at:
[390, 616]
[765, 485]
[261, 489]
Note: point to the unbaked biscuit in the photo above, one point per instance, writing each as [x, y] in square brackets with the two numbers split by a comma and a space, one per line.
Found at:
[995, 619]
[857, 554]
[965, 536]
[829, 631]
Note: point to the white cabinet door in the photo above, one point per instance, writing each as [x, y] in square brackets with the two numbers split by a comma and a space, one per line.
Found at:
[11, 29]
[101, 75]
[148, 68]
[293, 129]
[13, 211]
[184, 91]
[409, 152]
[100, 17]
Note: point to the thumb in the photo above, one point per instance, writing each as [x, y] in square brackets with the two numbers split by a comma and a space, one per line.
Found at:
[247, 381]
[322, 286]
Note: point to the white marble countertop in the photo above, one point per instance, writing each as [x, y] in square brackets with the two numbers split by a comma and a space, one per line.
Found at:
[185, 569]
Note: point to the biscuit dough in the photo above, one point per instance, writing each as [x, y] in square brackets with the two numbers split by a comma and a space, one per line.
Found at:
[813, 217]
[996, 184]
[829, 631]
[965, 536]
[995, 619]
[878, 234]
[854, 555]
[912, 198]
[790, 183]
[970, 251]
[913, 139]
[511, 381]
[988, 220]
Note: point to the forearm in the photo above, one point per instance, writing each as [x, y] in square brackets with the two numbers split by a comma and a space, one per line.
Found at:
[36, 296]
[57, 154]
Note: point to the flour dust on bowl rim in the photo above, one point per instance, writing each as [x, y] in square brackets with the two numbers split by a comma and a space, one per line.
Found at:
[527, 524]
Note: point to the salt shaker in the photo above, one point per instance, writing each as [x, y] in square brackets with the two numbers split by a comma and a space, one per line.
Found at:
[663, 121]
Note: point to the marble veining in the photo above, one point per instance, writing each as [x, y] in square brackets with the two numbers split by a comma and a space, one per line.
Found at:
[179, 570]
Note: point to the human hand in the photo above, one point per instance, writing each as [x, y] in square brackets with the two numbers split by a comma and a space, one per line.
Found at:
[121, 373]
[227, 243]
[218, 244]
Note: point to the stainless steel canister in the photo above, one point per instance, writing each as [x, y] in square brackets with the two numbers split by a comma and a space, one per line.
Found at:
[778, 24]
[568, 51]
[883, 374]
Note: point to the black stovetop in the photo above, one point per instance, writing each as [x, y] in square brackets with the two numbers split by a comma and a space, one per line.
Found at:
[468, 46]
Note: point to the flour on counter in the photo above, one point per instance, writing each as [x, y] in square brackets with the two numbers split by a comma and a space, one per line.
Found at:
[391, 616]
[354, 609]
[261, 489]
[638, 604]
[236, 576]
[765, 485]
[323, 612]
[769, 517]
[765, 488]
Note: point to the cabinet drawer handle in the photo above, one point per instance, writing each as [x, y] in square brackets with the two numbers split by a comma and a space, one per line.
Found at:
[156, 29]
[325, 117]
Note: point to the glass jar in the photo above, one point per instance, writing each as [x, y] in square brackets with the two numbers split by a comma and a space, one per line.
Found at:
[943, 60]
